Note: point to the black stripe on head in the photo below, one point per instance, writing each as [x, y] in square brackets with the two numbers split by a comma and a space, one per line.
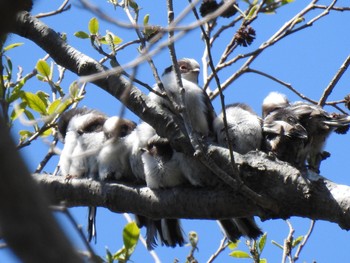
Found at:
[168, 70]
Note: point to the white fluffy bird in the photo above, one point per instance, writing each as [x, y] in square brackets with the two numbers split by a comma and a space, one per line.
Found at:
[244, 128]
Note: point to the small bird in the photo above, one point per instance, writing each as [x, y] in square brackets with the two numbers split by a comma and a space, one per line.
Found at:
[82, 131]
[274, 101]
[285, 137]
[318, 124]
[196, 101]
[244, 128]
[113, 159]
[297, 132]
[162, 170]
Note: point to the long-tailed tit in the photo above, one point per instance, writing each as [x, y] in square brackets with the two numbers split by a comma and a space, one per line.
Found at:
[196, 101]
[113, 159]
[318, 124]
[162, 170]
[285, 137]
[82, 130]
[273, 102]
[244, 128]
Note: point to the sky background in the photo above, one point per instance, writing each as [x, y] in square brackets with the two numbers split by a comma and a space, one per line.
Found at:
[307, 60]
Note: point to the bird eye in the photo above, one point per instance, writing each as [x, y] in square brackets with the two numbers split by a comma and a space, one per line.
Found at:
[183, 68]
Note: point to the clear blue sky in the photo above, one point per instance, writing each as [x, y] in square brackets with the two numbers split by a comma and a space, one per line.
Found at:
[308, 60]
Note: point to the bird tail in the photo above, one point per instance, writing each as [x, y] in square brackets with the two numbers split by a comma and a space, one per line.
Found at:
[167, 231]
[338, 120]
[92, 223]
[235, 228]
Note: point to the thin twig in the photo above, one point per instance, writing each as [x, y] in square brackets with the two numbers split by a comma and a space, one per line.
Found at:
[64, 7]
[287, 247]
[306, 238]
[334, 81]
[223, 245]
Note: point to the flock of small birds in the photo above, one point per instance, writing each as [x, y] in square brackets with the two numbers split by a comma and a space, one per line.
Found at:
[113, 148]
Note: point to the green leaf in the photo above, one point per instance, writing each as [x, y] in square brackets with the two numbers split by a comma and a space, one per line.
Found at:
[109, 256]
[133, 5]
[34, 102]
[131, 234]
[54, 106]
[276, 244]
[43, 68]
[252, 12]
[12, 46]
[145, 20]
[44, 97]
[24, 134]
[18, 110]
[74, 90]
[262, 242]
[93, 26]
[297, 241]
[47, 133]
[9, 63]
[41, 78]
[263, 260]
[81, 34]
[233, 245]
[240, 254]
[16, 92]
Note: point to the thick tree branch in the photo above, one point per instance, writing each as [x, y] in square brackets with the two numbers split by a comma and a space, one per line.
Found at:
[316, 198]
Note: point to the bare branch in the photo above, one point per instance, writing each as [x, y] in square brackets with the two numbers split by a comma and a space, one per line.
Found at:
[334, 81]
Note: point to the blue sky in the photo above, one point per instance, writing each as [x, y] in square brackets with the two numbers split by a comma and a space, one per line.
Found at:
[307, 60]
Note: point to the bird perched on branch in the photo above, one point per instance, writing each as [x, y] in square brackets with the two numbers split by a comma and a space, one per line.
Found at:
[113, 159]
[94, 147]
[297, 132]
[191, 98]
[82, 131]
[244, 128]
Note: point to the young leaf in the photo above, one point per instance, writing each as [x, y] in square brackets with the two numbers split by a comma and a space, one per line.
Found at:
[47, 133]
[131, 234]
[145, 20]
[24, 134]
[93, 26]
[262, 242]
[233, 245]
[34, 102]
[297, 241]
[44, 97]
[263, 260]
[81, 34]
[54, 107]
[7, 48]
[109, 256]
[43, 68]
[240, 254]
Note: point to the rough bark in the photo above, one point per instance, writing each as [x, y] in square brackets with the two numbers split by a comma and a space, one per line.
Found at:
[294, 194]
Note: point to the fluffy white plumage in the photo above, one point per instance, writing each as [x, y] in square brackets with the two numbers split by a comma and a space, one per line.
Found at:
[244, 128]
